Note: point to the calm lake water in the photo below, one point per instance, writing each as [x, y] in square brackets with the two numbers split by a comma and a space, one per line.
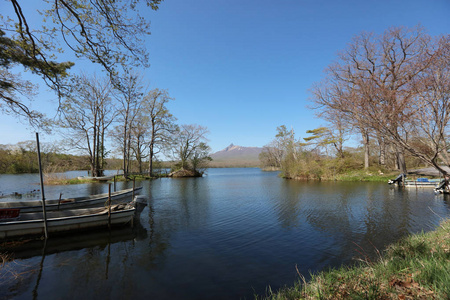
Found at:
[228, 235]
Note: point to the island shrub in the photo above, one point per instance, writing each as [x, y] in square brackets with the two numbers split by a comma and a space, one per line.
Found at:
[310, 166]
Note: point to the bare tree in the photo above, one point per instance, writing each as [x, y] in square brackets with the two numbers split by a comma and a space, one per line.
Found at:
[160, 121]
[334, 97]
[376, 82]
[189, 144]
[130, 98]
[426, 137]
[271, 155]
[339, 130]
[283, 151]
[87, 112]
[138, 143]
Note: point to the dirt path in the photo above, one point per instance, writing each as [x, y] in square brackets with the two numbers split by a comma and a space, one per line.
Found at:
[428, 171]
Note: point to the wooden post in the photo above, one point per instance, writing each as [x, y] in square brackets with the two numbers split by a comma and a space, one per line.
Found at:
[114, 183]
[59, 201]
[44, 212]
[134, 184]
[109, 206]
[403, 180]
[41, 267]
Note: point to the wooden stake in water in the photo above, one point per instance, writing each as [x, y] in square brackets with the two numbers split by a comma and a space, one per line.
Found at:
[109, 206]
[59, 201]
[44, 212]
[134, 185]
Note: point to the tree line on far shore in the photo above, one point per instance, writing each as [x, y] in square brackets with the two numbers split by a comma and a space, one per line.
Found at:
[98, 118]
[393, 91]
[22, 158]
[137, 123]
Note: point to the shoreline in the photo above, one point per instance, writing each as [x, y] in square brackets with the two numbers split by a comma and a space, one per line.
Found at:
[416, 267]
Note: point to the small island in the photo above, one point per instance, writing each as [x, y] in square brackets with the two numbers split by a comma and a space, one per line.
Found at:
[185, 173]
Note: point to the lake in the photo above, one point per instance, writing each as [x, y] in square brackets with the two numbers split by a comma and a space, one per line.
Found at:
[228, 235]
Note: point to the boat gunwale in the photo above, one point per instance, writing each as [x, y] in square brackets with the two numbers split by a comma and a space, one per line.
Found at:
[67, 201]
[104, 211]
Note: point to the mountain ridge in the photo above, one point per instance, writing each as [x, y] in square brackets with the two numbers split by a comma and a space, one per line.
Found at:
[236, 156]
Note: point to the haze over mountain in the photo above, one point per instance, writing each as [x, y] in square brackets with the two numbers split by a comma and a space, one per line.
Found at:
[236, 156]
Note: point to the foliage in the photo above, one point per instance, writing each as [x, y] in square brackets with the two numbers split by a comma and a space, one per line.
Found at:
[417, 267]
[22, 158]
[15, 52]
[200, 157]
[323, 138]
[282, 150]
[108, 33]
[307, 161]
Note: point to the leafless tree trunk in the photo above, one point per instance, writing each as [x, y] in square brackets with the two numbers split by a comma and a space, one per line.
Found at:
[189, 141]
[366, 143]
[382, 151]
[161, 123]
[396, 84]
[130, 96]
[87, 113]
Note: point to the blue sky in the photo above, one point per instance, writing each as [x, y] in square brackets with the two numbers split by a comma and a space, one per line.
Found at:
[242, 68]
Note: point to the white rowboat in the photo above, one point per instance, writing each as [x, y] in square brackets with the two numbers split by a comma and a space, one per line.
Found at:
[69, 203]
[99, 178]
[67, 220]
[429, 183]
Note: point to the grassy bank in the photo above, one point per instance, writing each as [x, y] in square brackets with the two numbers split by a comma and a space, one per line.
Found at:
[353, 175]
[363, 175]
[54, 180]
[417, 267]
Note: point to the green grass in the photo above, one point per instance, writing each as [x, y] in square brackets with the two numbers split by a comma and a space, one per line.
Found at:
[64, 181]
[417, 267]
[352, 175]
[363, 175]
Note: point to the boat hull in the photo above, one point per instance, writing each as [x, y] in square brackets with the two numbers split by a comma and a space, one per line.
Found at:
[70, 203]
[100, 178]
[419, 184]
[63, 221]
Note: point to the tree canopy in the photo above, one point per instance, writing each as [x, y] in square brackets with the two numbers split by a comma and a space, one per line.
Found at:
[108, 33]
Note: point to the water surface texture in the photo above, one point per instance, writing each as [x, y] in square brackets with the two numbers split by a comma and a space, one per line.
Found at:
[228, 235]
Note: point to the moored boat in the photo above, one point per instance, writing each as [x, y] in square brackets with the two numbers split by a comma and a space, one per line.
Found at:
[422, 183]
[70, 203]
[28, 224]
[98, 178]
[417, 183]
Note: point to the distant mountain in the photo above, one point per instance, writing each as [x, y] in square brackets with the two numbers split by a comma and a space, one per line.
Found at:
[236, 156]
